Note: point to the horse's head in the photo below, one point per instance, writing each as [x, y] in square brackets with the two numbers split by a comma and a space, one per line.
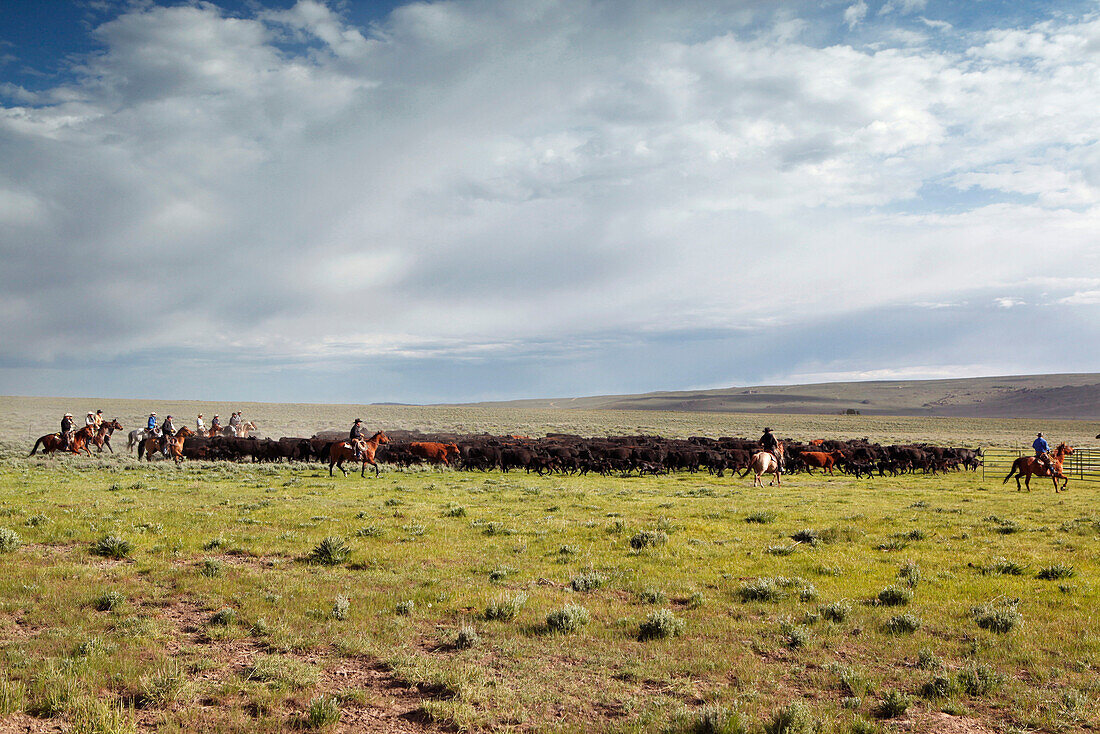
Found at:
[185, 431]
[114, 425]
[1064, 449]
[382, 437]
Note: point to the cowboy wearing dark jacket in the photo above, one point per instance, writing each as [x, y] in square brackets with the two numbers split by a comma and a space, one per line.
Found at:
[66, 431]
[355, 438]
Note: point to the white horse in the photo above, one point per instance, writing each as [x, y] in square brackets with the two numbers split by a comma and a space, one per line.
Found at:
[765, 462]
[138, 435]
[239, 431]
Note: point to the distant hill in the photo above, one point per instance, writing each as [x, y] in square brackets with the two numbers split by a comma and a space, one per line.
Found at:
[1073, 396]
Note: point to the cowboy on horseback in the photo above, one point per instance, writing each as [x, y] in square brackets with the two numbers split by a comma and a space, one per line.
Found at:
[1042, 451]
[168, 429]
[355, 438]
[771, 444]
[66, 431]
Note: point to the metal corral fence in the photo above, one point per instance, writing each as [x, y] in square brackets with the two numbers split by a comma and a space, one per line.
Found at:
[1082, 465]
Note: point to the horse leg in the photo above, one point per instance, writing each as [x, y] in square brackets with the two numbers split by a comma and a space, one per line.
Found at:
[330, 465]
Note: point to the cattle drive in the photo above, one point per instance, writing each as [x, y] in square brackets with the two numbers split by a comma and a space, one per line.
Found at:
[556, 453]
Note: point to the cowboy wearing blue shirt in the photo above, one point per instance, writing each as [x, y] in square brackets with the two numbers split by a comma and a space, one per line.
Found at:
[151, 426]
[1041, 448]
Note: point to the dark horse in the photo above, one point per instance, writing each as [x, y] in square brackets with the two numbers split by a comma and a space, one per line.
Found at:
[102, 437]
[52, 442]
[1026, 466]
[342, 451]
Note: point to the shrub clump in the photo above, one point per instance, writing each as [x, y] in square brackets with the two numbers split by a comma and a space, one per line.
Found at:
[903, 624]
[1056, 572]
[648, 539]
[978, 680]
[762, 517]
[1003, 566]
[715, 720]
[108, 601]
[652, 595]
[223, 617]
[999, 615]
[910, 574]
[112, 546]
[806, 535]
[893, 704]
[762, 589]
[332, 551]
[341, 605]
[794, 718]
[505, 608]
[940, 686]
[852, 682]
[836, 611]
[569, 618]
[210, 567]
[466, 638]
[588, 581]
[324, 712]
[405, 608]
[894, 596]
[928, 660]
[9, 540]
[660, 624]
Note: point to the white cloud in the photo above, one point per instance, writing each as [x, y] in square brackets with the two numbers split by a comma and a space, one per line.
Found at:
[902, 6]
[470, 174]
[1009, 302]
[855, 13]
[1082, 298]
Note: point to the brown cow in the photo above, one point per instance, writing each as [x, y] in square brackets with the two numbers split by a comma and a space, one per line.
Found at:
[432, 452]
[820, 459]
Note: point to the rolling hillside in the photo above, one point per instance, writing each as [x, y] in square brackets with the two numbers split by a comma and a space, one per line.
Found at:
[1073, 396]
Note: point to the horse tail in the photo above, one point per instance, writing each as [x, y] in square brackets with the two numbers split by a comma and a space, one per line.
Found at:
[35, 449]
[1015, 466]
[141, 448]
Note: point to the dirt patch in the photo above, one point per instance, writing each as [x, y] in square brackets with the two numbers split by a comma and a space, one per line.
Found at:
[235, 559]
[941, 723]
[373, 699]
[15, 627]
[24, 724]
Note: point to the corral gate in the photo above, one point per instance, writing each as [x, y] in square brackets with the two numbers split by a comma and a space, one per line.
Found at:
[1083, 465]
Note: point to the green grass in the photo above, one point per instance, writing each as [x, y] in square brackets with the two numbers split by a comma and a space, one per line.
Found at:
[748, 630]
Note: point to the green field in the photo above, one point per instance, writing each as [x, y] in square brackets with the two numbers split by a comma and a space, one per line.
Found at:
[150, 597]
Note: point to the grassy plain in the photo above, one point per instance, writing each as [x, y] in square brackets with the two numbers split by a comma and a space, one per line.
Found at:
[460, 603]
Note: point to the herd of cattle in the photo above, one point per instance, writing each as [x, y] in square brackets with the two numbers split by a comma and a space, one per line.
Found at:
[569, 454]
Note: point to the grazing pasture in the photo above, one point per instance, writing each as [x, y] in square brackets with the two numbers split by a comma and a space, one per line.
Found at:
[237, 597]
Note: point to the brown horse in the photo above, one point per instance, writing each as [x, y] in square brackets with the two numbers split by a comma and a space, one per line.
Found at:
[152, 445]
[102, 437]
[342, 451]
[1026, 466]
[765, 462]
[51, 442]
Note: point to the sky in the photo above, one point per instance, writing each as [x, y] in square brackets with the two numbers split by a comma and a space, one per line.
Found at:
[308, 201]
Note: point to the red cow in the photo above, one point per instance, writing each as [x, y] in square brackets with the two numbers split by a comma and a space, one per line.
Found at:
[432, 452]
[821, 460]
